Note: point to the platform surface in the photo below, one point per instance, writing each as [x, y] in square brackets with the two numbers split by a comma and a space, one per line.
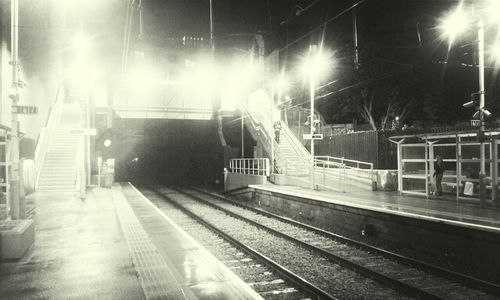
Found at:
[113, 246]
[439, 209]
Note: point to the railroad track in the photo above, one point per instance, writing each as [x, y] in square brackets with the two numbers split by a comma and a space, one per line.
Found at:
[267, 277]
[304, 261]
[407, 275]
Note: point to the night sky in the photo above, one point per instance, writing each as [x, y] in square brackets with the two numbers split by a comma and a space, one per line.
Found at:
[399, 48]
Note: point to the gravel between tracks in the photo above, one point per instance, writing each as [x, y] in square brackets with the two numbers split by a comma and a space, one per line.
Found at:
[336, 280]
[418, 278]
[255, 274]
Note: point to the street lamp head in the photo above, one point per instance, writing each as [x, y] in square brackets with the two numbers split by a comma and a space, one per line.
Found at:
[493, 11]
[454, 23]
[316, 63]
[81, 44]
[495, 52]
[281, 83]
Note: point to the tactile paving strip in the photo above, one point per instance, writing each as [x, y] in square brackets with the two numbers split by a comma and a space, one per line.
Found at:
[156, 278]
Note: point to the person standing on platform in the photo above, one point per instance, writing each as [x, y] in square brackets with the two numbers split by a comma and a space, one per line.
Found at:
[438, 173]
[277, 131]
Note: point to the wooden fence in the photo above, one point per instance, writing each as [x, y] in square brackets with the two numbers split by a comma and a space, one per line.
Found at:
[369, 146]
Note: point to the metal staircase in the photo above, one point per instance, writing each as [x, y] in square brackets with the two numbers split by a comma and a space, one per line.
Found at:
[291, 158]
[294, 160]
[59, 170]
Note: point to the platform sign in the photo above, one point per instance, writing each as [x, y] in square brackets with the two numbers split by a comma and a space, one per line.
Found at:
[84, 131]
[25, 109]
[316, 136]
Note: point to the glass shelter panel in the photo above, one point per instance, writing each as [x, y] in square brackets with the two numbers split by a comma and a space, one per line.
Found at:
[448, 152]
[413, 168]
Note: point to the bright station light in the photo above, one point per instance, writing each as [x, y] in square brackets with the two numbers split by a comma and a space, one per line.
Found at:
[493, 11]
[316, 64]
[495, 52]
[81, 45]
[455, 23]
[281, 84]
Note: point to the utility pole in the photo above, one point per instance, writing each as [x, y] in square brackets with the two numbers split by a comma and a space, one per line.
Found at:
[312, 82]
[482, 174]
[14, 139]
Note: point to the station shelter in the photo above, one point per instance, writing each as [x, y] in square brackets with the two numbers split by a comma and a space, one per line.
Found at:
[462, 160]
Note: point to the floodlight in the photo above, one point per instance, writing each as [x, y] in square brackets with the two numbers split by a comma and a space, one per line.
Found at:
[495, 51]
[486, 113]
[81, 45]
[316, 63]
[281, 83]
[455, 23]
[492, 10]
[476, 115]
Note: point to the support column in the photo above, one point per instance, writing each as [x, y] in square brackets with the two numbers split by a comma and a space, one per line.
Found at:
[494, 170]
[14, 143]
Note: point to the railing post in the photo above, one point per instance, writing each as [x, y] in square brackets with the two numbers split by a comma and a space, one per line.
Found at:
[81, 167]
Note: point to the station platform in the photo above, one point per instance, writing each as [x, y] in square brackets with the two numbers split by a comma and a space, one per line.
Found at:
[440, 209]
[463, 237]
[114, 244]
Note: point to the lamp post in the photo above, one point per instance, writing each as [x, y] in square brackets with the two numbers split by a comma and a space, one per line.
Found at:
[317, 63]
[14, 154]
[452, 26]
[482, 173]
[313, 49]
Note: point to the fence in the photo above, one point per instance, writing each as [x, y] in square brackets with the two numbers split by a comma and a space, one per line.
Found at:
[252, 166]
[368, 146]
[343, 174]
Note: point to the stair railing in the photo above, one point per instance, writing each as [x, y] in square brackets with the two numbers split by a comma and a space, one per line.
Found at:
[47, 132]
[297, 146]
[261, 132]
[282, 165]
[346, 171]
[80, 176]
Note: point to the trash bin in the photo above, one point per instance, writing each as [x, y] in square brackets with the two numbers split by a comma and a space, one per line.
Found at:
[107, 180]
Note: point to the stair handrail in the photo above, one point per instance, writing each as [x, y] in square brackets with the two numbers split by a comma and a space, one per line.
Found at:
[80, 176]
[281, 163]
[295, 143]
[332, 161]
[47, 132]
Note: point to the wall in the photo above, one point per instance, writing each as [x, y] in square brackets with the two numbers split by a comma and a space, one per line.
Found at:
[39, 62]
[235, 181]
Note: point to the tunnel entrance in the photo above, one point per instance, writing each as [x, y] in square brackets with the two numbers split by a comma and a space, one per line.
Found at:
[178, 152]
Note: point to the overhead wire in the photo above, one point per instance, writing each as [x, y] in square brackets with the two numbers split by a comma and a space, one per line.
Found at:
[321, 25]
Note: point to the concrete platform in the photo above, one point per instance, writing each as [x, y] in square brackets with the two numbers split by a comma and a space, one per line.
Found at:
[104, 247]
[439, 209]
[460, 236]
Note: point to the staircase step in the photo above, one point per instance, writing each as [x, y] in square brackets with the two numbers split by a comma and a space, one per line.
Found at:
[56, 185]
[53, 190]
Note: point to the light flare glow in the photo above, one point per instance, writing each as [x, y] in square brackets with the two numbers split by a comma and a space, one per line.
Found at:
[455, 23]
[316, 64]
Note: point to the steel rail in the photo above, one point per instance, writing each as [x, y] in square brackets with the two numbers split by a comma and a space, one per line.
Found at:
[381, 278]
[287, 274]
[466, 280]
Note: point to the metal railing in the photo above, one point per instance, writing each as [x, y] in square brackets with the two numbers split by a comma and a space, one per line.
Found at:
[296, 145]
[282, 165]
[80, 175]
[47, 132]
[342, 174]
[250, 166]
